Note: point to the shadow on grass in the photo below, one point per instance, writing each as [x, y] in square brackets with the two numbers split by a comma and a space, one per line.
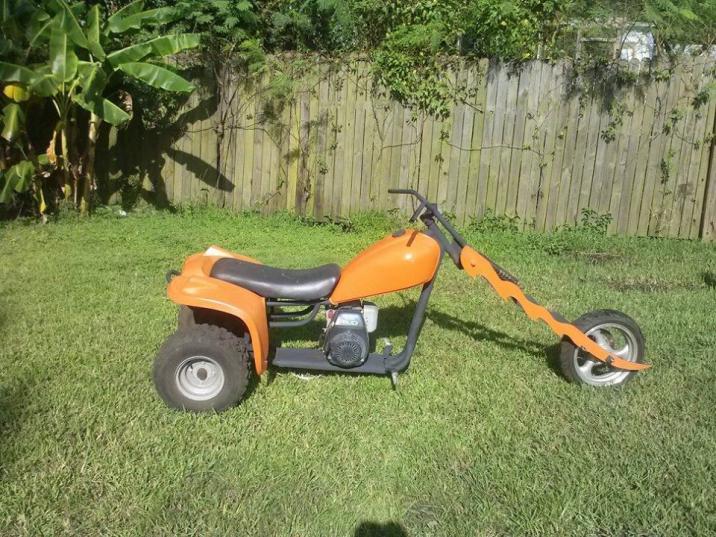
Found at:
[11, 405]
[482, 332]
[380, 529]
[394, 321]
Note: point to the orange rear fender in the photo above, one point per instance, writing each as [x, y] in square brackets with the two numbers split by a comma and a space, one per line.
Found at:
[195, 288]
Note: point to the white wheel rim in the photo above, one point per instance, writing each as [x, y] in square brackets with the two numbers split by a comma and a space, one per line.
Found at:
[614, 338]
[199, 378]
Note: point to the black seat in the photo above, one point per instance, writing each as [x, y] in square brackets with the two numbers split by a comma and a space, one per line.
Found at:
[271, 282]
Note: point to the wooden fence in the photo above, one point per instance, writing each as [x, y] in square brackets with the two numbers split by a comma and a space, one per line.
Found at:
[537, 141]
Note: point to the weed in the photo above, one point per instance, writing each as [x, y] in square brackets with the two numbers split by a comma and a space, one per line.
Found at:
[591, 229]
[491, 222]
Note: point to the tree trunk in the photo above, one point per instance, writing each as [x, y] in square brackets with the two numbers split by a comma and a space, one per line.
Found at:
[67, 177]
[75, 165]
[37, 180]
[89, 180]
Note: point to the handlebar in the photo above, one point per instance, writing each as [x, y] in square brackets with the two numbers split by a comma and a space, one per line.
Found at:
[432, 209]
[408, 191]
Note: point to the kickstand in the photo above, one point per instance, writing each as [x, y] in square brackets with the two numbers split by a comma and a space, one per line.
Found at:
[394, 379]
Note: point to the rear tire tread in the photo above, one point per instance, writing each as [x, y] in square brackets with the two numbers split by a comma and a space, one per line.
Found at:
[221, 344]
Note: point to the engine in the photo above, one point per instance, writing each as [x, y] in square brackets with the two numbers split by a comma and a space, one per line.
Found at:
[347, 343]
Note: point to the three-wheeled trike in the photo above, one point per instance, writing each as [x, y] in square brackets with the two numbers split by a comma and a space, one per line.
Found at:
[228, 302]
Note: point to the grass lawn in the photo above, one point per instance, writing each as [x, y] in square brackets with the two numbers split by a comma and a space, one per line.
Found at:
[482, 437]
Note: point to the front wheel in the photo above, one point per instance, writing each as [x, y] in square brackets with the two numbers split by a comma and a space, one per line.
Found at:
[202, 368]
[615, 332]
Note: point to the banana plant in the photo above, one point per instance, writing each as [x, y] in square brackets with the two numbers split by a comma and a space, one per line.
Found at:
[86, 62]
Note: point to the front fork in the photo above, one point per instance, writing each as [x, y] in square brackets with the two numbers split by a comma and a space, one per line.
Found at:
[476, 264]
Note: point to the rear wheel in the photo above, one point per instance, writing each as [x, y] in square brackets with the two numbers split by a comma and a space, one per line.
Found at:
[202, 368]
[615, 332]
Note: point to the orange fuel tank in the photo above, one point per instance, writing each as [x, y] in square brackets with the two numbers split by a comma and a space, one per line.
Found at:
[394, 263]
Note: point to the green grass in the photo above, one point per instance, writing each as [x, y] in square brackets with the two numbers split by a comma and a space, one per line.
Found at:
[482, 437]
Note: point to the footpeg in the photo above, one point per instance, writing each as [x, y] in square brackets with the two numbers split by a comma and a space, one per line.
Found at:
[388, 347]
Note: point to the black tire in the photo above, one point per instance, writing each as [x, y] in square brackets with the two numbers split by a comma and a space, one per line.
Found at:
[568, 363]
[227, 354]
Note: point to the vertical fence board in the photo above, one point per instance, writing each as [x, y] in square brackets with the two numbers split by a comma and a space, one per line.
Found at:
[349, 136]
[527, 145]
[477, 133]
[654, 189]
[258, 147]
[331, 138]
[708, 228]
[426, 134]
[498, 144]
[237, 134]
[463, 176]
[407, 145]
[690, 152]
[560, 142]
[593, 142]
[701, 207]
[664, 194]
[513, 180]
[580, 151]
[455, 147]
[248, 119]
[623, 179]
[485, 147]
[551, 126]
[342, 111]
[565, 172]
[510, 115]
[321, 137]
[370, 139]
[358, 152]
[645, 134]
[534, 172]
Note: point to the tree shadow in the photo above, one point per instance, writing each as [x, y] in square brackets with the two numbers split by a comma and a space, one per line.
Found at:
[132, 159]
[201, 169]
[709, 278]
[479, 331]
[11, 406]
[380, 529]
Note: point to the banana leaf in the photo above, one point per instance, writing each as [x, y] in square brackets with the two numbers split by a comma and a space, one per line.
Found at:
[72, 26]
[17, 179]
[160, 15]
[157, 77]
[159, 46]
[94, 18]
[13, 121]
[11, 72]
[62, 55]
[129, 9]
[104, 108]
